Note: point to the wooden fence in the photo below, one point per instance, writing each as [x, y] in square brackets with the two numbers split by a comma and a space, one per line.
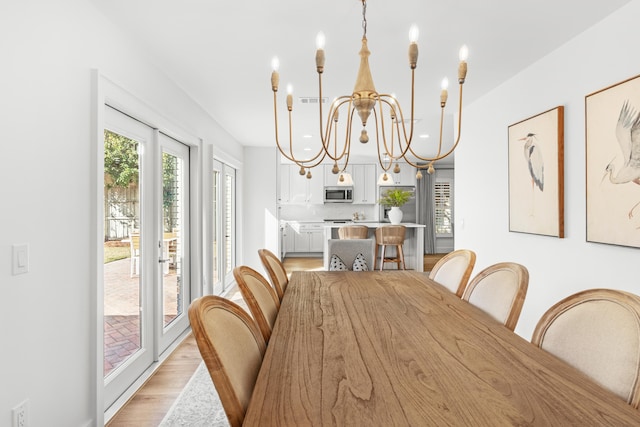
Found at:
[121, 212]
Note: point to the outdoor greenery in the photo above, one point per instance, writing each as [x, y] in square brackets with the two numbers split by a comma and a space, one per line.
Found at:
[120, 160]
[395, 197]
[115, 253]
[121, 167]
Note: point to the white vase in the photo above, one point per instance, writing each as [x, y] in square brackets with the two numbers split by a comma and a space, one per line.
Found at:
[395, 215]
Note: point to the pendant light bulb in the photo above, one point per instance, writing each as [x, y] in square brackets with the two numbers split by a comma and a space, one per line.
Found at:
[320, 40]
[464, 53]
[414, 33]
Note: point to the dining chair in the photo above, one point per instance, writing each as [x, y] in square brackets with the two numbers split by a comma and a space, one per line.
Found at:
[232, 348]
[275, 270]
[499, 290]
[598, 332]
[454, 270]
[390, 235]
[353, 232]
[260, 297]
[354, 254]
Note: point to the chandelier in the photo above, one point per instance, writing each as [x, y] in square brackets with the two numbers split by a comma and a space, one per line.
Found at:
[393, 139]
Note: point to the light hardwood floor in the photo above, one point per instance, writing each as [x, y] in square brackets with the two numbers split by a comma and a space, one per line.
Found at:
[151, 403]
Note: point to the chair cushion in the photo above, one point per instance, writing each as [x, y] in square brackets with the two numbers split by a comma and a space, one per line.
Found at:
[336, 264]
[360, 263]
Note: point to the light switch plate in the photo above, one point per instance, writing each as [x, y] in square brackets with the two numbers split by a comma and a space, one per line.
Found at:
[20, 259]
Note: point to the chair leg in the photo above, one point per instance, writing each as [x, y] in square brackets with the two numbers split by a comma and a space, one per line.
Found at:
[375, 257]
[401, 257]
[384, 249]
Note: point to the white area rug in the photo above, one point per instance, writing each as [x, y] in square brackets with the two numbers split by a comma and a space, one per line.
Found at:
[198, 405]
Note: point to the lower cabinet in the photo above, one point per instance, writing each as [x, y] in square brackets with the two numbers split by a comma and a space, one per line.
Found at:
[303, 238]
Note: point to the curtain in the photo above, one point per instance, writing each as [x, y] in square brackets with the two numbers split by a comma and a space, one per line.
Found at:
[424, 190]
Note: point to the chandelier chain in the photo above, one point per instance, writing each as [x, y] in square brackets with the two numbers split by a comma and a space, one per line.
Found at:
[364, 18]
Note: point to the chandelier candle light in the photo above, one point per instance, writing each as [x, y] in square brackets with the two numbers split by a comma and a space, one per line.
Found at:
[393, 145]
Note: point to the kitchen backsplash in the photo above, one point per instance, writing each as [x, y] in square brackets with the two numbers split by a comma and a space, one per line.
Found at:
[310, 212]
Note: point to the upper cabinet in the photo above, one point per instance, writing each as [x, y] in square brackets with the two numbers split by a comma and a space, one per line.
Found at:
[364, 181]
[406, 176]
[364, 184]
[296, 188]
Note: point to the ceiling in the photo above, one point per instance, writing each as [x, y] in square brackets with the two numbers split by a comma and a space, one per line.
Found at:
[219, 52]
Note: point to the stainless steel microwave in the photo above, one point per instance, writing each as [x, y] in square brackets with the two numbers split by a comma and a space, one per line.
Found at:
[338, 194]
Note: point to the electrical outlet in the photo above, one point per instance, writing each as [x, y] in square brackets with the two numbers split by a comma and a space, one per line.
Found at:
[21, 415]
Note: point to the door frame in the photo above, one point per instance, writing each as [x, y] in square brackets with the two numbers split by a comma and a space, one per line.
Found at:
[106, 91]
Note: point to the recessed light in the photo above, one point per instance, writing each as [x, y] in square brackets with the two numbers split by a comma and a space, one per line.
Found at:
[307, 136]
[424, 136]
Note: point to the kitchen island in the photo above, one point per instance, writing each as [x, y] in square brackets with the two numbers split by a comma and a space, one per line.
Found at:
[413, 247]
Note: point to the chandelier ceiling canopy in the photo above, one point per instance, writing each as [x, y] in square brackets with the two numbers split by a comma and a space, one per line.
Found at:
[377, 117]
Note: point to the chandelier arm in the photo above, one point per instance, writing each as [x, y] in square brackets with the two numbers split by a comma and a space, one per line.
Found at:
[403, 151]
[380, 161]
[320, 107]
[326, 144]
[439, 140]
[282, 151]
[455, 145]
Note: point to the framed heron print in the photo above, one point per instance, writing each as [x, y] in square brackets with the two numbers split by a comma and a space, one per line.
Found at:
[536, 174]
[612, 134]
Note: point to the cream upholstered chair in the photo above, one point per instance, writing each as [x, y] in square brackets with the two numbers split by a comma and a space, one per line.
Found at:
[275, 270]
[353, 232]
[454, 269]
[500, 290]
[598, 332]
[348, 249]
[232, 348]
[390, 235]
[260, 298]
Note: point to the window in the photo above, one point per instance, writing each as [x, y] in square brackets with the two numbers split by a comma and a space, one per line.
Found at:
[443, 194]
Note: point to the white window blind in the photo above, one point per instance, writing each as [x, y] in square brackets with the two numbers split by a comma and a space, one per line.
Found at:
[443, 211]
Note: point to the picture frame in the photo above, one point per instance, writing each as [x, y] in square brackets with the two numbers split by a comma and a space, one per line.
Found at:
[536, 174]
[612, 148]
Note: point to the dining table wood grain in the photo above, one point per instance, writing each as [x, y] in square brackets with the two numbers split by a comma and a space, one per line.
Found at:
[394, 348]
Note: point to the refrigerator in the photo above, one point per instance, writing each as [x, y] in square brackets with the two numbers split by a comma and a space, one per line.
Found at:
[409, 210]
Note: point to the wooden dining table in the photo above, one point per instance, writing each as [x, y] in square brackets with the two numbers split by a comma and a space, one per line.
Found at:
[394, 348]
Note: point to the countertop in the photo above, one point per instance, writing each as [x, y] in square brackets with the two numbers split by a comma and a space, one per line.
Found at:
[376, 224]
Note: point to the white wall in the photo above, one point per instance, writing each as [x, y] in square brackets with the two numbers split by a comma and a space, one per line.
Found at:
[603, 55]
[259, 214]
[48, 50]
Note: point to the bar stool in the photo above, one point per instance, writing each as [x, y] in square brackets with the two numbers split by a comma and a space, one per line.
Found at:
[390, 235]
[353, 232]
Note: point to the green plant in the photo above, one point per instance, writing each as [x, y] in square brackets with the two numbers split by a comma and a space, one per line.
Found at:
[120, 160]
[395, 197]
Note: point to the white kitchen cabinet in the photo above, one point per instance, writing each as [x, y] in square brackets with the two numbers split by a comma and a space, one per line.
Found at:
[304, 237]
[316, 240]
[406, 176]
[288, 235]
[296, 188]
[330, 179]
[364, 184]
